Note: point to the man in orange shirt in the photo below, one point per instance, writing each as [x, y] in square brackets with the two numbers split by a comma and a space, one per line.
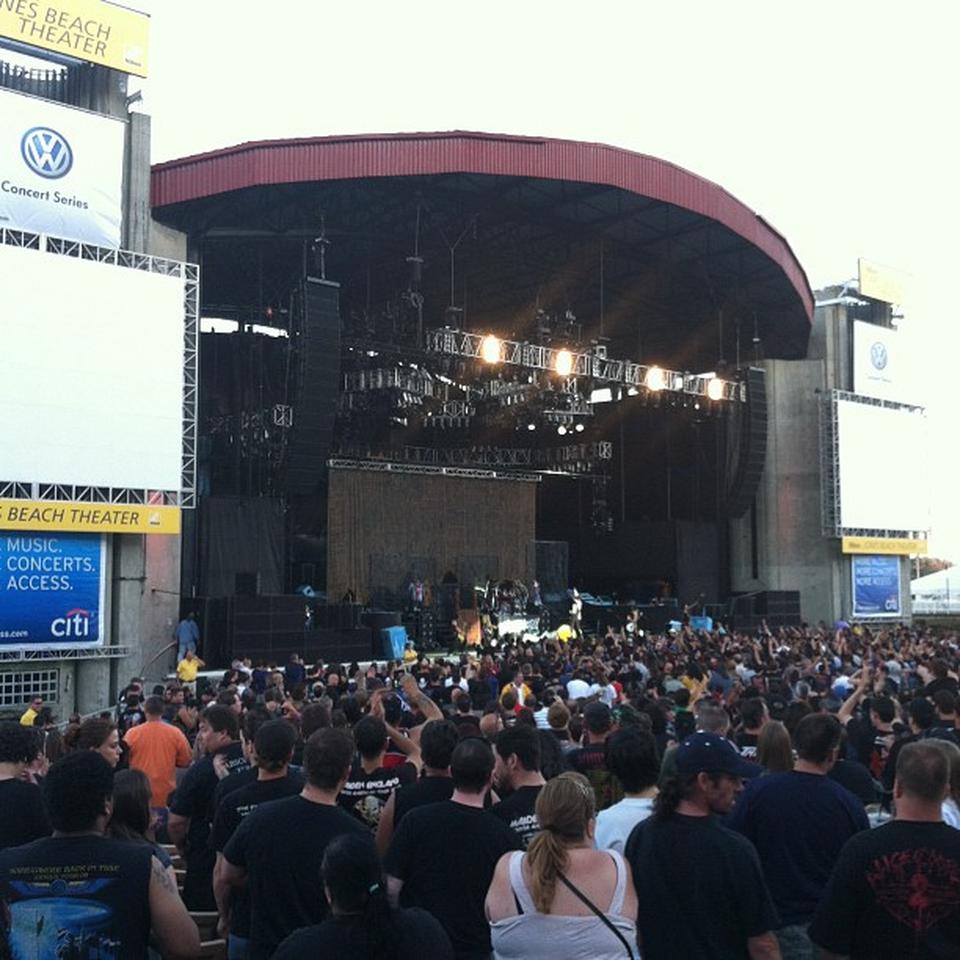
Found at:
[158, 748]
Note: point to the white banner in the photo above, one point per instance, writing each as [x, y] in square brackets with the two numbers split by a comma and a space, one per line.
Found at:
[61, 170]
[876, 363]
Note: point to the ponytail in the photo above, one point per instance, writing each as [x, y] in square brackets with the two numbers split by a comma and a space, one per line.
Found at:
[378, 922]
[546, 857]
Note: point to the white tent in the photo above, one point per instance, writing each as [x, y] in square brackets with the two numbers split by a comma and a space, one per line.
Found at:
[937, 592]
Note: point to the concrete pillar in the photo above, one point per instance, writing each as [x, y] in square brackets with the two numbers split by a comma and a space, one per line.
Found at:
[792, 552]
[93, 686]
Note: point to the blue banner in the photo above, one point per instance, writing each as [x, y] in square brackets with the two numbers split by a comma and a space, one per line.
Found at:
[876, 586]
[51, 589]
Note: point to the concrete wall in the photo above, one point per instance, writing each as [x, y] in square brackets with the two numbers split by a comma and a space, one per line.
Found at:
[792, 552]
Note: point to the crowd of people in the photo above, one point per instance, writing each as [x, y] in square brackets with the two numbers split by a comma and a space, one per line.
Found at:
[790, 793]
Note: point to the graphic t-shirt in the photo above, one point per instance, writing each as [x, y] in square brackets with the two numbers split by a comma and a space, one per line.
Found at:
[281, 845]
[366, 794]
[591, 763]
[517, 812]
[747, 745]
[894, 893]
[76, 898]
[236, 807]
[24, 816]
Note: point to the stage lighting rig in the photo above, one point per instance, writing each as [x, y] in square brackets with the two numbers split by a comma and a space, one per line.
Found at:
[450, 341]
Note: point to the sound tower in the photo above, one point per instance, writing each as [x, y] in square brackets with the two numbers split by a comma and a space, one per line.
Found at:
[748, 435]
[317, 384]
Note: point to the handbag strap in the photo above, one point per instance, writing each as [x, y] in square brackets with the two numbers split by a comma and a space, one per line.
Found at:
[587, 902]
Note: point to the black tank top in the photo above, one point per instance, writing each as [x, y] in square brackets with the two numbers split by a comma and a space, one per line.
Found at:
[76, 898]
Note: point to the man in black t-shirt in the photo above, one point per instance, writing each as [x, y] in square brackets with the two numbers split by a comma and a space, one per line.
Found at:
[371, 784]
[590, 760]
[80, 894]
[24, 812]
[437, 743]
[443, 855]
[276, 850]
[272, 749]
[191, 809]
[895, 891]
[754, 713]
[517, 778]
[701, 884]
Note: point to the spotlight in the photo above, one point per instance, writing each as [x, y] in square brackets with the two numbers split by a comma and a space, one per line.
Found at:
[563, 363]
[562, 430]
[579, 428]
[715, 389]
[655, 379]
[531, 426]
[490, 348]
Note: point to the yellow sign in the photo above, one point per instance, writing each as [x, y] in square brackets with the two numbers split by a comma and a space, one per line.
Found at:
[89, 30]
[88, 517]
[882, 283]
[885, 545]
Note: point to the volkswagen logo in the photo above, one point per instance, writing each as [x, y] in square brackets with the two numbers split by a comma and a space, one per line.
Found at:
[46, 153]
[878, 356]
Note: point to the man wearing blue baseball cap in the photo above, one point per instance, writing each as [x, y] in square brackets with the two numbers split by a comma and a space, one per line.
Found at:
[700, 885]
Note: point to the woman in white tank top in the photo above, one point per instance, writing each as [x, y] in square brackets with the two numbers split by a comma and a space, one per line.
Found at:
[562, 898]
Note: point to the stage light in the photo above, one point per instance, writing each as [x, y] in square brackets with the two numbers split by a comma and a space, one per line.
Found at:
[579, 428]
[562, 430]
[531, 426]
[655, 379]
[563, 363]
[678, 382]
[490, 348]
[715, 389]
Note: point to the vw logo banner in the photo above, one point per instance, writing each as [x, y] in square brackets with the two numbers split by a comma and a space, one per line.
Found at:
[61, 170]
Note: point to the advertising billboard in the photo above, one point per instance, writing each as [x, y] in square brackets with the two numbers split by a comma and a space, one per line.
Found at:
[90, 30]
[52, 589]
[883, 483]
[93, 390]
[876, 362]
[61, 170]
[876, 586]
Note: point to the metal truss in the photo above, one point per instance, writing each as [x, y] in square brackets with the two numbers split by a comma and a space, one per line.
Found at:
[574, 457]
[532, 356]
[829, 466]
[831, 517]
[389, 466]
[22, 654]
[128, 259]
[417, 382]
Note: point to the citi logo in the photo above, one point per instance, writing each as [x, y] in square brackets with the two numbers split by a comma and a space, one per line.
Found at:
[74, 623]
[46, 153]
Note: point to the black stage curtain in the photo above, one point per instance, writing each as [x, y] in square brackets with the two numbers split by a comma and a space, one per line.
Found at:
[241, 545]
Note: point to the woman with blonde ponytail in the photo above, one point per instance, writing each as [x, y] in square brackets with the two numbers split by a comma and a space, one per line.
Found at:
[563, 898]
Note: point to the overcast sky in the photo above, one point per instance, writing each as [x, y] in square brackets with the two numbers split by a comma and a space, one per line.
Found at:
[837, 122]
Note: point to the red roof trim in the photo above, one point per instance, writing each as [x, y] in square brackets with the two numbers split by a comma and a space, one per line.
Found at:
[267, 162]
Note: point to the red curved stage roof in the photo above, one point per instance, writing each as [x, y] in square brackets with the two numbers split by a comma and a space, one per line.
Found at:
[269, 162]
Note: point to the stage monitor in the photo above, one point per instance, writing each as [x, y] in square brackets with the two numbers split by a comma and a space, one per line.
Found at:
[883, 466]
[95, 348]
